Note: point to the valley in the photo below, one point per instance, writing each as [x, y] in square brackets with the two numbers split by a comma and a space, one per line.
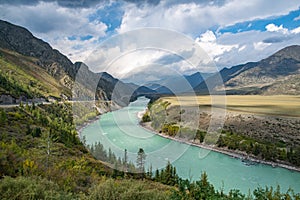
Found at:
[121, 130]
[253, 126]
[67, 132]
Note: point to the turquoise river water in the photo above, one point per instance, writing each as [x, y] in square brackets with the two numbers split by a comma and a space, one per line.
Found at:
[119, 130]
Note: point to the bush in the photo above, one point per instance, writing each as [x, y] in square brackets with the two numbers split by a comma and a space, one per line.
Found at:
[146, 117]
[31, 188]
[127, 189]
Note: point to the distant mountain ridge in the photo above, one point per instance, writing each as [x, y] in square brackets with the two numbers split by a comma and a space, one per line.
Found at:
[178, 84]
[277, 74]
[29, 56]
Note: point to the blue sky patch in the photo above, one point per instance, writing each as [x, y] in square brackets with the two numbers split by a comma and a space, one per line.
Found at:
[260, 24]
[111, 15]
[86, 37]
[72, 38]
[82, 38]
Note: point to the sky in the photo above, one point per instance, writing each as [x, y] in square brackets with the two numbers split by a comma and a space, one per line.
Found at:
[231, 32]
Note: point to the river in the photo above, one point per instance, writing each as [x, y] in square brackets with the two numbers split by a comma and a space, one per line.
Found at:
[119, 130]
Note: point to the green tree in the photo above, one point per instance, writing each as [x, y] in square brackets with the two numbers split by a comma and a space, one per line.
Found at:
[140, 160]
[146, 117]
[3, 117]
[157, 175]
[37, 132]
[125, 162]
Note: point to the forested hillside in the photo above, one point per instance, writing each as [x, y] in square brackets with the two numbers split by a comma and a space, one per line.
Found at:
[42, 157]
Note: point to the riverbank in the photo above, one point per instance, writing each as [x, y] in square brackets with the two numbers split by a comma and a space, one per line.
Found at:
[85, 124]
[243, 156]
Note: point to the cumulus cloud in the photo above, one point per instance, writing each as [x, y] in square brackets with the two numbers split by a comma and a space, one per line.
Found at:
[208, 36]
[296, 30]
[56, 24]
[274, 28]
[134, 61]
[129, 51]
[192, 18]
[172, 58]
[208, 42]
[64, 24]
[249, 46]
[260, 45]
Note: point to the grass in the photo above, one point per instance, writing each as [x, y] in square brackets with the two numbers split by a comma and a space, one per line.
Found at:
[24, 72]
[281, 105]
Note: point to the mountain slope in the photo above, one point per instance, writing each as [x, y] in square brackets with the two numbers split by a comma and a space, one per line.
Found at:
[55, 74]
[22, 77]
[20, 40]
[280, 70]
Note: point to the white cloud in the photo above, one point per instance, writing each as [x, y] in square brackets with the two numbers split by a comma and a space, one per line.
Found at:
[76, 50]
[274, 28]
[251, 46]
[260, 45]
[208, 36]
[297, 18]
[225, 49]
[208, 42]
[55, 24]
[296, 30]
[126, 64]
[242, 48]
[129, 51]
[192, 19]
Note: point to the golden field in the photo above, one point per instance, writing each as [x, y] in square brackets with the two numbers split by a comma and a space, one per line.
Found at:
[281, 105]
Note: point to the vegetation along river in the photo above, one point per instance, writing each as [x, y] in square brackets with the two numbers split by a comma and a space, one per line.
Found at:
[119, 130]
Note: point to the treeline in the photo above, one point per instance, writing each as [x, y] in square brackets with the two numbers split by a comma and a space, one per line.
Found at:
[184, 189]
[202, 189]
[183, 132]
[261, 149]
[120, 166]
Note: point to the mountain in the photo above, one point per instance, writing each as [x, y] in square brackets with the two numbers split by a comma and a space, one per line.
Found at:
[117, 90]
[177, 83]
[277, 74]
[21, 79]
[153, 86]
[20, 40]
[164, 90]
[159, 89]
[196, 78]
[31, 68]
[145, 91]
